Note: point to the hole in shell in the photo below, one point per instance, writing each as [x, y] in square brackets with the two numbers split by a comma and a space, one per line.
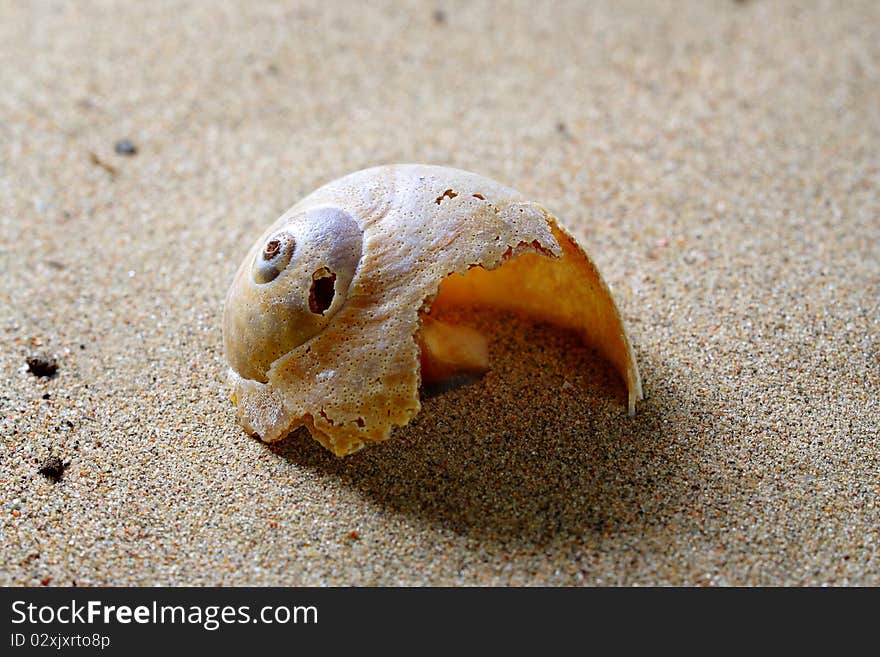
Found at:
[274, 258]
[445, 195]
[322, 291]
[272, 249]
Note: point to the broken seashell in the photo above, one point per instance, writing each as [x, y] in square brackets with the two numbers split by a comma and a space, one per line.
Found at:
[327, 324]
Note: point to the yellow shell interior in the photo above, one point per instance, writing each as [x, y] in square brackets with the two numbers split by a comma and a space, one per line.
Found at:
[566, 291]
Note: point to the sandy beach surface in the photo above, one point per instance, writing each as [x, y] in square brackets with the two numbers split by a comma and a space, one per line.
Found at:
[720, 162]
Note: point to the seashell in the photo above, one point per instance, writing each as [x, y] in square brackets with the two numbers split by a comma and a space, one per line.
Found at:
[327, 323]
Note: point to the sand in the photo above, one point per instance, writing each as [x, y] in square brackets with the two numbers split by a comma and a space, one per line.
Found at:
[720, 162]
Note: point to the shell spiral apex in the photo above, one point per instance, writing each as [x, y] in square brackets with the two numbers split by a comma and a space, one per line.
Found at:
[327, 323]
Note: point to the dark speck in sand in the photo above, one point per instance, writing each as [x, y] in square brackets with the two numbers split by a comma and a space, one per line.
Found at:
[42, 365]
[98, 162]
[125, 147]
[53, 468]
[562, 130]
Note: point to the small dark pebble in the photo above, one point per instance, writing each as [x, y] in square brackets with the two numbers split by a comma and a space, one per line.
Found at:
[42, 365]
[46, 395]
[125, 147]
[53, 468]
